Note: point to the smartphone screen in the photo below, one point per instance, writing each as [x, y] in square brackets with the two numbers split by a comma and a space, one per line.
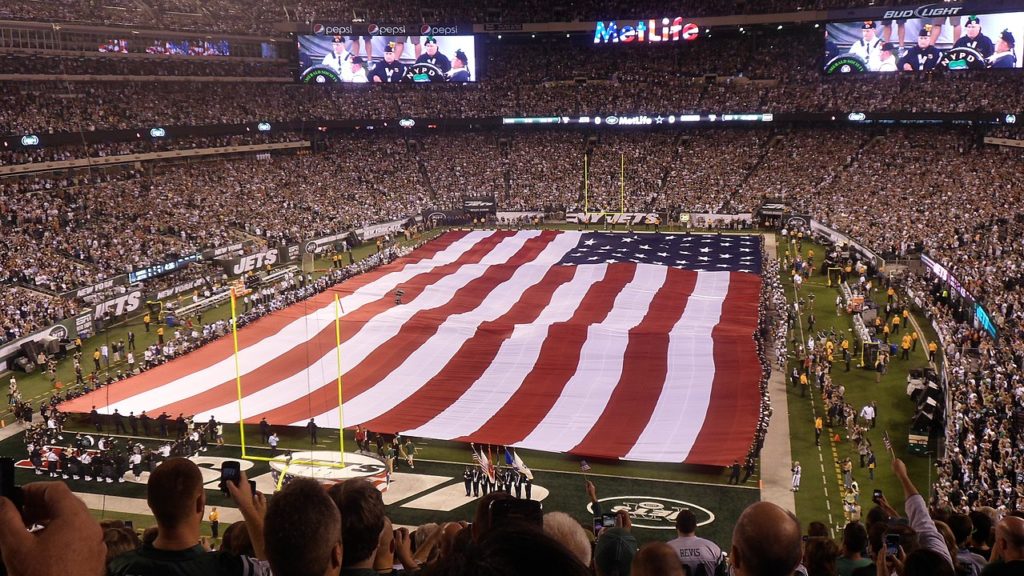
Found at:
[252, 487]
[892, 544]
[230, 471]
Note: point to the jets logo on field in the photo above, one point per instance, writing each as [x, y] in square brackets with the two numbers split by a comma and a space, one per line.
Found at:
[654, 512]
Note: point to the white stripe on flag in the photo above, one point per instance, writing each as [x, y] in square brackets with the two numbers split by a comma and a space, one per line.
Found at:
[375, 333]
[587, 392]
[686, 395]
[513, 362]
[433, 356]
[293, 334]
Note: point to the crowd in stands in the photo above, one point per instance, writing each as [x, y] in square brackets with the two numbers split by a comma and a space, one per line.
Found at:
[778, 74]
[81, 65]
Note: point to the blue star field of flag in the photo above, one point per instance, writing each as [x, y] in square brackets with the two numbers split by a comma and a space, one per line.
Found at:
[699, 252]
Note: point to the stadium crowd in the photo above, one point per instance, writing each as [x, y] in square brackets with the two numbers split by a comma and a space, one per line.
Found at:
[900, 192]
[240, 17]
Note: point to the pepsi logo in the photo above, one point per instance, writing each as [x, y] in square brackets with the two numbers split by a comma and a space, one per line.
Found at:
[318, 28]
[425, 29]
[373, 29]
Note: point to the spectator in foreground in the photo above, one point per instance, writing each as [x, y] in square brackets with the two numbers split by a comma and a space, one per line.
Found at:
[69, 529]
[513, 552]
[1008, 552]
[176, 497]
[362, 524]
[567, 530]
[765, 541]
[692, 550]
[855, 540]
[658, 559]
[302, 531]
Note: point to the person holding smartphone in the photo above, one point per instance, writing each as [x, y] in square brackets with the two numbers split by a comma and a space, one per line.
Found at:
[177, 499]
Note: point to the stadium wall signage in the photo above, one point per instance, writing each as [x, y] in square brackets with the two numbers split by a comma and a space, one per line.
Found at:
[119, 306]
[230, 249]
[926, 11]
[391, 29]
[87, 291]
[252, 262]
[646, 31]
[655, 513]
[314, 246]
[180, 288]
[618, 218]
[929, 10]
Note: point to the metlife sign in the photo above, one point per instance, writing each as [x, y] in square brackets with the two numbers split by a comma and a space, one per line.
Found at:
[649, 31]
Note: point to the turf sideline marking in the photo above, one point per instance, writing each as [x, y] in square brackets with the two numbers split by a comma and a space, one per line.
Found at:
[800, 325]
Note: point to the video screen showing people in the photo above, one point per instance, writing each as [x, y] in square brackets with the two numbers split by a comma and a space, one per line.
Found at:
[386, 59]
[189, 48]
[968, 42]
[114, 46]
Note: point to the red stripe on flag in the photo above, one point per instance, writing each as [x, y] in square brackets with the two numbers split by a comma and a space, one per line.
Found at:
[263, 328]
[735, 403]
[644, 368]
[473, 358]
[417, 330]
[556, 364]
[302, 355]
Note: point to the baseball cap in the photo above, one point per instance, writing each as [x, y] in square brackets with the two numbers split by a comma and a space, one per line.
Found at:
[614, 551]
[972, 19]
[869, 24]
[1007, 36]
[462, 56]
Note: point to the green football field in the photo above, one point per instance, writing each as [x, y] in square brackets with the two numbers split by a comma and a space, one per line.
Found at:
[820, 496]
[652, 491]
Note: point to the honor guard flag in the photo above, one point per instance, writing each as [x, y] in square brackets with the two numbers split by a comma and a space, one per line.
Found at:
[513, 460]
[603, 345]
[484, 462]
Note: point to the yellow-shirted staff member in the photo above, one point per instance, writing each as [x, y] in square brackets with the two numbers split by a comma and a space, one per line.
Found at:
[215, 523]
[932, 349]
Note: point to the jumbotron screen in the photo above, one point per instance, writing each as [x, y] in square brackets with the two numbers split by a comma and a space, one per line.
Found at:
[909, 44]
[386, 59]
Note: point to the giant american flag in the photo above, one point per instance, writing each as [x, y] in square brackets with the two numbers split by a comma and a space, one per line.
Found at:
[611, 345]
